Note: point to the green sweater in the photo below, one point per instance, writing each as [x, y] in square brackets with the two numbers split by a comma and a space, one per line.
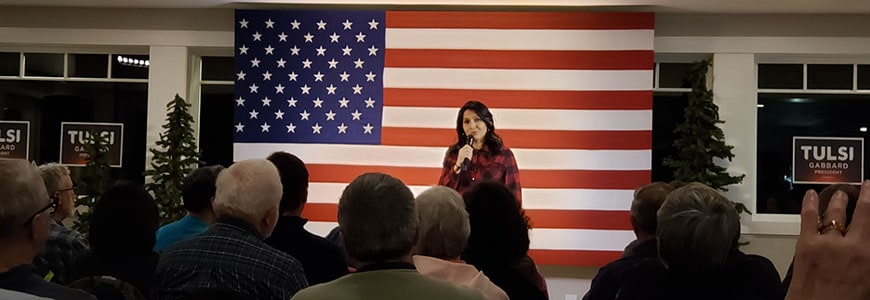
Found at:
[387, 284]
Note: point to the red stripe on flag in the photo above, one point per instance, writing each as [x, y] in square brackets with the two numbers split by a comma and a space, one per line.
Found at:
[586, 219]
[567, 179]
[603, 100]
[521, 20]
[538, 139]
[573, 257]
[519, 59]
[320, 212]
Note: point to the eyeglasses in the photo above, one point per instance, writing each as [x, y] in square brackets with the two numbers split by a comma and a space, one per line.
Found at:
[51, 207]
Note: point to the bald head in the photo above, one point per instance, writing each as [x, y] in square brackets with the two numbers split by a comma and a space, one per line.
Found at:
[250, 190]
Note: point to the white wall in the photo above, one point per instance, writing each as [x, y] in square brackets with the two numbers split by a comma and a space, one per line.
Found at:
[738, 41]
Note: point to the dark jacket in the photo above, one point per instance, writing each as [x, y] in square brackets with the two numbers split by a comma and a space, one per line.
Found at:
[519, 280]
[321, 259]
[24, 279]
[135, 269]
[610, 278]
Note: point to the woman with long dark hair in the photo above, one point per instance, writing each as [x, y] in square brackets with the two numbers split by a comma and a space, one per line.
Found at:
[479, 153]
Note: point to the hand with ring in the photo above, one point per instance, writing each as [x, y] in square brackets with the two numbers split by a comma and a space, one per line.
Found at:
[831, 260]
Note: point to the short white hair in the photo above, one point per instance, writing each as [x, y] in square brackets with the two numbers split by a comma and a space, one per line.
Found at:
[22, 193]
[248, 189]
[443, 223]
[51, 176]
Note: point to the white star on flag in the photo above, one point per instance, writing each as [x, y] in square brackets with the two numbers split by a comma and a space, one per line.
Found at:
[371, 76]
[373, 51]
[330, 115]
[356, 114]
[269, 50]
[333, 64]
[243, 23]
[243, 49]
[267, 76]
[295, 24]
[291, 128]
[342, 128]
[330, 90]
[282, 37]
[370, 103]
[343, 102]
[368, 128]
[279, 89]
[306, 64]
[308, 38]
[255, 62]
[344, 76]
[265, 127]
[240, 127]
[357, 89]
[291, 102]
[347, 24]
[257, 36]
[318, 76]
[358, 63]
[316, 128]
[321, 25]
[270, 24]
[279, 114]
[304, 114]
[321, 51]
[281, 62]
[334, 38]
[373, 24]
[253, 114]
[253, 88]
[241, 75]
[318, 102]
[346, 51]
[361, 38]
[266, 101]
[293, 76]
[240, 101]
[294, 50]
[305, 89]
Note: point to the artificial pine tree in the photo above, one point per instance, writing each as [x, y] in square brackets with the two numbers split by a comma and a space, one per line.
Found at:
[92, 180]
[175, 157]
[701, 140]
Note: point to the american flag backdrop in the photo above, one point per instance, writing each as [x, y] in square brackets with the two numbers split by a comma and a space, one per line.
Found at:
[372, 91]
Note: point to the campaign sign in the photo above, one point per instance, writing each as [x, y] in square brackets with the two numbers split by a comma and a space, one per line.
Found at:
[828, 160]
[74, 137]
[15, 139]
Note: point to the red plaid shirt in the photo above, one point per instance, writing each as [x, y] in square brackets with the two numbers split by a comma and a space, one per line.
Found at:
[485, 166]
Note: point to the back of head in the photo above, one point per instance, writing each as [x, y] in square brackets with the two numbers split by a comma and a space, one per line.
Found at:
[124, 221]
[248, 189]
[647, 201]
[378, 218]
[198, 188]
[443, 223]
[294, 179]
[22, 193]
[52, 174]
[499, 226]
[851, 192]
[697, 228]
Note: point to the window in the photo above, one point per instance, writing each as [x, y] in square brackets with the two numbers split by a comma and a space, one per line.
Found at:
[669, 103]
[216, 98]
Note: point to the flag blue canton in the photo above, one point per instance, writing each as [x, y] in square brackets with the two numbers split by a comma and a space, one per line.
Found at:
[309, 76]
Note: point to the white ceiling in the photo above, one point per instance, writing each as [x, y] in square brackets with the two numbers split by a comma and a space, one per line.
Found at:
[683, 6]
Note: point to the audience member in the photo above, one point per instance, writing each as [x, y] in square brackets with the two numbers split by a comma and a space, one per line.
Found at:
[378, 220]
[647, 201]
[499, 241]
[322, 260]
[825, 199]
[231, 253]
[25, 225]
[197, 192]
[122, 232]
[444, 230]
[832, 261]
[334, 237]
[214, 293]
[63, 244]
[698, 231]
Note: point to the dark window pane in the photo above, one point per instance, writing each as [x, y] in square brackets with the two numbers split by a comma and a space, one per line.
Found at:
[673, 75]
[216, 131]
[829, 77]
[218, 68]
[668, 112]
[43, 64]
[780, 76]
[130, 66]
[10, 63]
[48, 103]
[785, 116]
[88, 65]
[864, 77]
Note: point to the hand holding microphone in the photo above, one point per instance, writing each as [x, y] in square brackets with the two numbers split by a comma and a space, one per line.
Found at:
[463, 159]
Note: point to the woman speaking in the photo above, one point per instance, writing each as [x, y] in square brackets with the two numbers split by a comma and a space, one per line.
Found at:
[479, 153]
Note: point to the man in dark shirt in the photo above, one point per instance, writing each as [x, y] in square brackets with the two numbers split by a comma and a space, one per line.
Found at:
[322, 260]
[232, 254]
[647, 201]
[25, 225]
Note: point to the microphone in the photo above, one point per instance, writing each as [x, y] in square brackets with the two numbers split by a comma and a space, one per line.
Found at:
[466, 164]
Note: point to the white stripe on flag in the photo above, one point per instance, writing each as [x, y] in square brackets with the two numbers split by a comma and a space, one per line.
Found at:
[555, 199]
[404, 156]
[531, 119]
[519, 39]
[551, 239]
[507, 79]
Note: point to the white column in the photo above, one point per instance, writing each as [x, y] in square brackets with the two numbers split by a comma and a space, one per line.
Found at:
[167, 76]
[734, 90]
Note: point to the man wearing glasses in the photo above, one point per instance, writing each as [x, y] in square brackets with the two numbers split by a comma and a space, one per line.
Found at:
[25, 224]
[63, 244]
